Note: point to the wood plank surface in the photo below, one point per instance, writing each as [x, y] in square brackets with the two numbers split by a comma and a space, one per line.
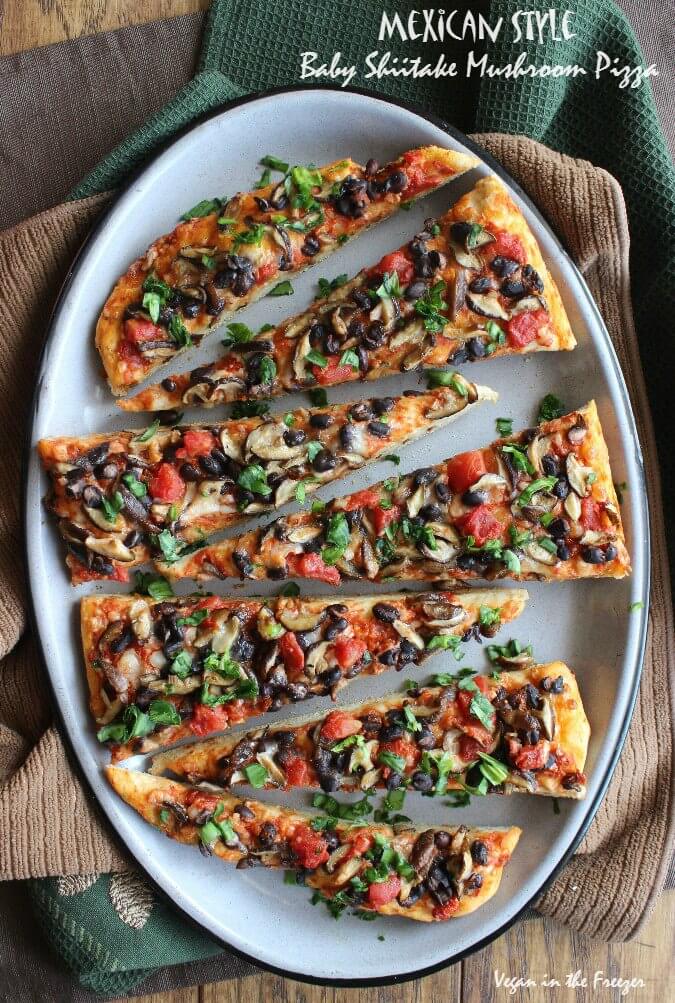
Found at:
[536, 949]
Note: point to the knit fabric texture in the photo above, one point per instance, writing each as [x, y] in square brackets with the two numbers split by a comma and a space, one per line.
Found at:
[111, 929]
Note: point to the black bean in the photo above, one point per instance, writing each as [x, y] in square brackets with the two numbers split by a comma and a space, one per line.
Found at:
[361, 411]
[549, 465]
[396, 182]
[415, 290]
[211, 466]
[362, 299]
[262, 203]
[430, 513]
[476, 348]
[558, 528]
[388, 657]
[611, 552]
[460, 231]
[335, 628]
[474, 498]
[458, 357]
[532, 698]
[593, 555]
[321, 420]
[532, 279]
[311, 246]
[473, 882]
[384, 612]
[414, 895]
[424, 738]
[423, 782]
[408, 653]
[329, 677]
[243, 283]
[468, 562]
[347, 436]
[268, 834]
[393, 781]
[481, 284]
[92, 497]
[561, 489]
[244, 497]
[424, 476]
[190, 308]
[512, 288]
[74, 488]
[391, 732]
[189, 472]
[331, 343]
[324, 461]
[294, 437]
[442, 491]
[375, 336]
[503, 266]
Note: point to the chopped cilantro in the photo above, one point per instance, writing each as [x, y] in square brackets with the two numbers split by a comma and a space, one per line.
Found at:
[254, 478]
[282, 289]
[316, 358]
[504, 426]
[551, 407]
[256, 775]
[250, 409]
[204, 208]
[152, 585]
[429, 307]
[318, 397]
[149, 432]
[327, 286]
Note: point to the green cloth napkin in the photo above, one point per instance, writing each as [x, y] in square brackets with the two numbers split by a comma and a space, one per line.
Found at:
[251, 45]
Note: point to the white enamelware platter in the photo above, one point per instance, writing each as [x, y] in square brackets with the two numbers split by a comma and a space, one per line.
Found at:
[587, 624]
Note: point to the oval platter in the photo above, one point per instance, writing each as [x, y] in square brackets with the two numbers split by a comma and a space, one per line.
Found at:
[587, 623]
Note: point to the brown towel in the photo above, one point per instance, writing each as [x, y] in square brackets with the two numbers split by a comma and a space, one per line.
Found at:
[610, 886]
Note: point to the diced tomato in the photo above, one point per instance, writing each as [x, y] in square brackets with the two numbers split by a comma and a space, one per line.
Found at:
[360, 844]
[196, 442]
[399, 262]
[312, 566]
[446, 911]
[291, 652]
[381, 892]
[128, 353]
[333, 372]
[207, 719]
[167, 485]
[422, 174]
[591, 514]
[524, 327]
[481, 525]
[506, 245]
[297, 772]
[83, 574]
[266, 271]
[403, 748]
[532, 757]
[309, 847]
[339, 725]
[382, 517]
[363, 499]
[137, 331]
[469, 748]
[348, 651]
[465, 469]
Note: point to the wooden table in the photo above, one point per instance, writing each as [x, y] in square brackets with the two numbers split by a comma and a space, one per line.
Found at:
[537, 949]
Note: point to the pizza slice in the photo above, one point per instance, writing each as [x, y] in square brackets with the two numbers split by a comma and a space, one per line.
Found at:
[231, 252]
[536, 505]
[472, 285]
[525, 730]
[164, 669]
[122, 496]
[426, 874]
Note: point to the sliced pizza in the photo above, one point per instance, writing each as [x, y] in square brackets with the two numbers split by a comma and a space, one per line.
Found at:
[175, 667]
[426, 874]
[525, 730]
[121, 496]
[536, 505]
[472, 285]
[231, 252]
